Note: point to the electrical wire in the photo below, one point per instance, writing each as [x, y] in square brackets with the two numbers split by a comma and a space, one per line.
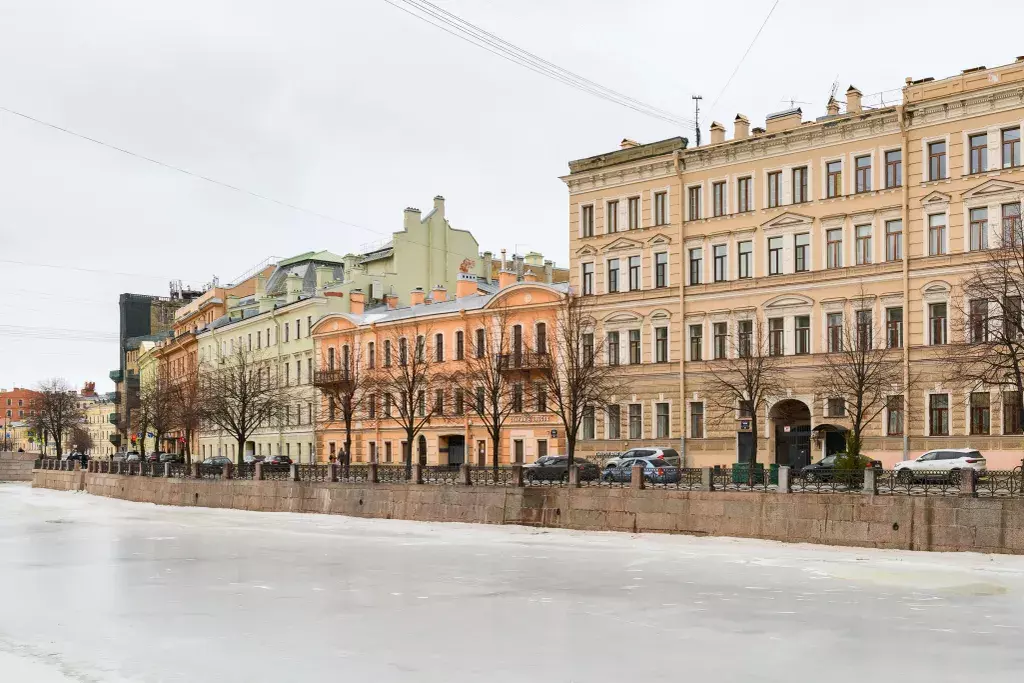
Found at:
[744, 57]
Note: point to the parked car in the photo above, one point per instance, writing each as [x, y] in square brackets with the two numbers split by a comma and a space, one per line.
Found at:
[943, 464]
[217, 461]
[556, 468]
[656, 470]
[278, 460]
[154, 456]
[172, 457]
[250, 459]
[824, 469]
[669, 455]
[132, 456]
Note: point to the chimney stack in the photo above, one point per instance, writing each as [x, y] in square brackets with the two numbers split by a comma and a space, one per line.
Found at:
[439, 293]
[293, 287]
[465, 286]
[488, 264]
[391, 300]
[529, 276]
[266, 303]
[549, 271]
[324, 276]
[356, 302]
[741, 127]
[832, 107]
[439, 206]
[853, 105]
[261, 286]
[517, 265]
[784, 120]
[416, 297]
[502, 260]
[411, 218]
[506, 278]
[628, 144]
[717, 133]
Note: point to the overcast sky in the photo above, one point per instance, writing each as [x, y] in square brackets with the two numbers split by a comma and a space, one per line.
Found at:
[354, 109]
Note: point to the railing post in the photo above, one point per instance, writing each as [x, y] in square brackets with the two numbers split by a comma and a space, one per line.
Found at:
[372, 476]
[464, 476]
[417, 473]
[167, 470]
[119, 464]
[870, 481]
[785, 486]
[258, 474]
[707, 479]
[195, 470]
[636, 477]
[295, 472]
[227, 471]
[332, 472]
[517, 475]
[574, 477]
[968, 483]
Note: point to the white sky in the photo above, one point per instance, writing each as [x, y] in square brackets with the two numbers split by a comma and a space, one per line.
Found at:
[355, 109]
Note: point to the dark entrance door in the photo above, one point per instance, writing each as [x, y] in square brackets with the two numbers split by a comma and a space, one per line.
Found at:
[456, 450]
[744, 447]
[793, 448]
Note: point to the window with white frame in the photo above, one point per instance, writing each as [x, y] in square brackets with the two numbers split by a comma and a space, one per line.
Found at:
[863, 234]
[937, 234]
[587, 220]
[662, 420]
[661, 208]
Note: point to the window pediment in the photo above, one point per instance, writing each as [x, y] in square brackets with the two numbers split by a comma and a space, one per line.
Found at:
[1000, 189]
[660, 238]
[935, 198]
[622, 244]
[789, 300]
[786, 220]
[622, 317]
[587, 250]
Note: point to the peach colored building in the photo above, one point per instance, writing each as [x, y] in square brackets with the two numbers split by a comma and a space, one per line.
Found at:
[452, 330]
[873, 214]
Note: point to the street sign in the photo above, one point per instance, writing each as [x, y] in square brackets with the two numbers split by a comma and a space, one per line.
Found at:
[554, 433]
[744, 425]
[786, 428]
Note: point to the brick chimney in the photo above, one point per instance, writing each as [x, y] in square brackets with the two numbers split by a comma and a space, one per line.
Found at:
[356, 302]
[506, 278]
[324, 276]
[391, 300]
[293, 287]
[529, 276]
[465, 286]
[549, 271]
[439, 293]
[784, 120]
[832, 107]
[416, 297]
[488, 264]
[853, 105]
[261, 286]
[741, 127]
[628, 144]
[717, 133]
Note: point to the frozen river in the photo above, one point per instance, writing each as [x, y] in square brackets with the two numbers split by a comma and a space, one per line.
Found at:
[102, 590]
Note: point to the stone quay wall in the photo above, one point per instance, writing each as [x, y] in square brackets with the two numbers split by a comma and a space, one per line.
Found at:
[16, 466]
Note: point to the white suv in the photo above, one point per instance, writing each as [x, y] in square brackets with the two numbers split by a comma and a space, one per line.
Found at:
[669, 455]
[942, 463]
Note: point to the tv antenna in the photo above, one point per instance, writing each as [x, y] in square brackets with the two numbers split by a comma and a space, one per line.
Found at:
[696, 115]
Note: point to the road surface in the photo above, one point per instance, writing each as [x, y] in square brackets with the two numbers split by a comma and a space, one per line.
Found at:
[104, 591]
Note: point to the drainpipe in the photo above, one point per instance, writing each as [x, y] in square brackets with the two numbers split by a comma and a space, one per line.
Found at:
[677, 162]
[905, 147]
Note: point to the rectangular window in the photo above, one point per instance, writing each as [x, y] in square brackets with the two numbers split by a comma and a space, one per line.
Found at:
[634, 212]
[862, 170]
[721, 266]
[634, 273]
[694, 193]
[718, 198]
[800, 185]
[1012, 423]
[980, 412]
[721, 331]
[745, 338]
[612, 422]
[661, 269]
[1011, 224]
[833, 179]
[460, 402]
[460, 346]
[1011, 317]
[894, 327]
[863, 244]
[298, 334]
[776, 337]
[371, 355]
[387, 451]
[588, 349]
[660, 344]
[589, 423]
[421, 403]
[517, 398]
[774, 189]
[865, 335]
[743, 192]
[611, 217]
[937, 234]
[259, 340]
[588, 278]
[835, 332]
[287, 379]
[937, 160]
[938, 414]
[480, 400]
[834, 248]
[439, 401]
[836, 407]
[894, 416]
[1011, 147]
[636, 422]
[696, 265]
[613, 275]
[894, 168]
[696, 342]
[634, 347]
[613, 348]
[937, 323]
[309, 326]
[978, 321]
[661, 208]
[802, 247]
[803, 334]
[439, 348]
[745, 253]
[662, 424]
[696, 420]
[540, 391]
[978, 145]
[286, 331]
[403, 351]
[979, 229]
[588, 221]
[481, 343]
[893, 240]
[298, 372]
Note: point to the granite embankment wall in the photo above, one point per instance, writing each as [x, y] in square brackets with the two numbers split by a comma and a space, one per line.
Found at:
[16, 466]
[946, 523]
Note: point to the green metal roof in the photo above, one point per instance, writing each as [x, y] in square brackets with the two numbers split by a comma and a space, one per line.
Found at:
[312, 256]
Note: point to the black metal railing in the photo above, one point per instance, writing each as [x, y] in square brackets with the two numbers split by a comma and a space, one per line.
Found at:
[318, 473]
[440, 474]
[244, 471]
[354, 473]
[388, 474]
[488, 476]
[1000, 484]
[180, 470]
[908, 482]
[277, 472]
[836, 481]
[524, 360]
[744, 479]
[337, 378]
[688, 479]
[210, 471]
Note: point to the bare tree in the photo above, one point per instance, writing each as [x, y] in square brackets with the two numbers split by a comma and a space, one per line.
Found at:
[186, 400]
[574, 380]
[405, 377]
[241, 394]
[346, 386]
[156, 410]
[864, 368]
[79, 438]
[747, 379]
[58, 411]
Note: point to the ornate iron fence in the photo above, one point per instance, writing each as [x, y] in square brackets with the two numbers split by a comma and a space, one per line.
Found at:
[211, 471]
[837, 481]
[392, 474]
[1001, 484]
[180, 470]
[744, 479]
[314, 472]
[244, 471]
[277, 472]
[906, 482]
[356, 473]
[488, 476]
[531, 478]
[444, 475]
[690, 479]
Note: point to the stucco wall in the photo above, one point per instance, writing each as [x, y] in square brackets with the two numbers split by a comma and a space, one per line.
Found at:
[947, 523]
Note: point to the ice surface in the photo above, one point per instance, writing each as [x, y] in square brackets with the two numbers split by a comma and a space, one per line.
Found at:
[108, 591]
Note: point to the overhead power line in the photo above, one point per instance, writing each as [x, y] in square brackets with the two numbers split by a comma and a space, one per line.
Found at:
[57, 333]
[744, 57]
[460, 28]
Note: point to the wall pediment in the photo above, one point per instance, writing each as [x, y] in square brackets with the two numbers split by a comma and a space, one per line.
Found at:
[660, 238]
[994, 187]
[586, 250]
[935, 197]
[786, 220]
[622, 244]
[622, 317]
[784, 300]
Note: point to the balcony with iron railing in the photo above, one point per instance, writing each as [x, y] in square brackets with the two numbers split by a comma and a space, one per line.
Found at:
[337, 379]
[524, 361]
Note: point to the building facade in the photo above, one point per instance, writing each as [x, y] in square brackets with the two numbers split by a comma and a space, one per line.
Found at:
[869, 218]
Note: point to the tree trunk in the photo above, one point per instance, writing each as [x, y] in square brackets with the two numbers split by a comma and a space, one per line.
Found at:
[407, 455]
[348, 445]
[495, 446]
[241, 452]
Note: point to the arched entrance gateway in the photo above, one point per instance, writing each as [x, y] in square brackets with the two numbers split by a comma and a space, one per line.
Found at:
[791, 427]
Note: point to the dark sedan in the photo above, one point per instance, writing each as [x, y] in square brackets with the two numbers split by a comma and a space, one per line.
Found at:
[278, 460]
[556, 468]
[172, 457]
[218, 461]
[825, 469]
[656, 471]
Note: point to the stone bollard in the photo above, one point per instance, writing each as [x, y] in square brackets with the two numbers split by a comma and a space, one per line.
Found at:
[636, 478]
[969, 483]
[332, 472]
[167, 470]
[517, 475]
[870, 482]
[574, 477]
[784, 482]
[371, 476]
[464, 476]
[707, 479]
[118, 470]
[295, 472]
[417, 474]
[227, 472]
[258, 473]
[195, 470]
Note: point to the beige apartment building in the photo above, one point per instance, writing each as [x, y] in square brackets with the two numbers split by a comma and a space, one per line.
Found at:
[866, 217]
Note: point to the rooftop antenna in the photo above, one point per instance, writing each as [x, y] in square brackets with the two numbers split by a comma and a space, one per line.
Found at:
[793, 101]
[835, 88]
[696, 115]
